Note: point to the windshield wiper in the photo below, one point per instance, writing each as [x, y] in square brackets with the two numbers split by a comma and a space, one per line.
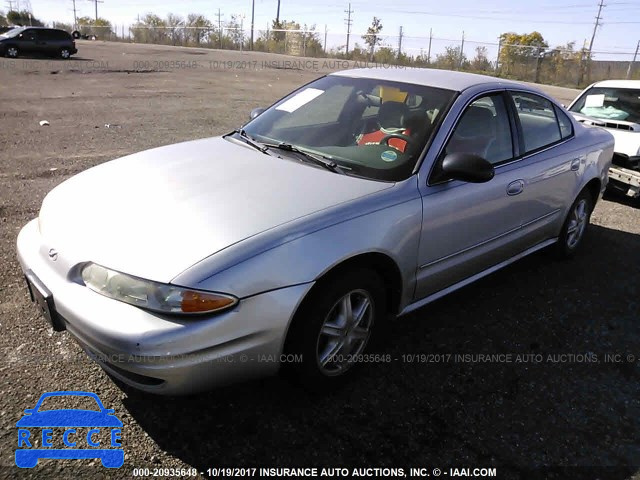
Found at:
[249, 141]
[314, 158]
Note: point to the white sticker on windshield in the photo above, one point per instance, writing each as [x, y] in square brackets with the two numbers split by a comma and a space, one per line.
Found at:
[300, 99]
[594, 101]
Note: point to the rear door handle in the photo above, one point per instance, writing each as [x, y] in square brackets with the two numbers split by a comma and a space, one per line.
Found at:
[575, 164]
[516, 187]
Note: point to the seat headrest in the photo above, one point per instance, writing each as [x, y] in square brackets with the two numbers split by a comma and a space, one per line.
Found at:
[476, 121]
[393, 115]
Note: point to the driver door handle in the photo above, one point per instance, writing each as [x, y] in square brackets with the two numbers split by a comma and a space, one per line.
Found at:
[575, 164]
[515, 188]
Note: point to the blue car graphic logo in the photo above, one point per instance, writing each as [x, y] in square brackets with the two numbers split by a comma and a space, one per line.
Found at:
[70, 419]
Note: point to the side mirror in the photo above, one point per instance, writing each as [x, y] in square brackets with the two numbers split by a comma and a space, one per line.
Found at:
[467, 167]
[255, 112]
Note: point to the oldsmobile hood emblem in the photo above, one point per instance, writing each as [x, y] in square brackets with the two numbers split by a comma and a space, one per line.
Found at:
[53, 254]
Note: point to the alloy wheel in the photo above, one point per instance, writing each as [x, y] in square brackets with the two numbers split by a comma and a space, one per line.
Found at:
[345, 332]
[577, 223]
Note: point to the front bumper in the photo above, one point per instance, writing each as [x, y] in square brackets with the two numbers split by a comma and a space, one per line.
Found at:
[161, 353]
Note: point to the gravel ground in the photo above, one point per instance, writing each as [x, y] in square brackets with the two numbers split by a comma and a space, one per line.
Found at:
[581, 409]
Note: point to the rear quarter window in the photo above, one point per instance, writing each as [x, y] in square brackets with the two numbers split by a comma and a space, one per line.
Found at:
[537, 115]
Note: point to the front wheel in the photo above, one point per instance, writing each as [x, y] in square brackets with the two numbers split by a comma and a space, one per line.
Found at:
[65, 53]
[334, 327]
[575, 225]
[12, 51]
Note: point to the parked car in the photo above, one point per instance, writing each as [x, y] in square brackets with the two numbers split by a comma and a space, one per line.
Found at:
[29, 41]
[361, 196]
[615, 106]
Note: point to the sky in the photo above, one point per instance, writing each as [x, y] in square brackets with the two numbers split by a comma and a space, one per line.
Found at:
[559, 22]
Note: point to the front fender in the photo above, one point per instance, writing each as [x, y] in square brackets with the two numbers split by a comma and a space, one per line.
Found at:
[392, 228]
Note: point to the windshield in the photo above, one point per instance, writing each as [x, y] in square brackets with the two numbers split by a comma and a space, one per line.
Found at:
[13, 32]
[371, 128]
[610, 104]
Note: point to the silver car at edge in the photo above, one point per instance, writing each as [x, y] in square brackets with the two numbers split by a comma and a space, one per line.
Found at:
[288, 243]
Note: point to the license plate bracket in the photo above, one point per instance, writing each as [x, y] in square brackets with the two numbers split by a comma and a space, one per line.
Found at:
[42, 297]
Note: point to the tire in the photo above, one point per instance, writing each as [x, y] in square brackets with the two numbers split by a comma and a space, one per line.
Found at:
[75, 34]
[65, 53]
[575, 226]
[11, 51]
[324, 337]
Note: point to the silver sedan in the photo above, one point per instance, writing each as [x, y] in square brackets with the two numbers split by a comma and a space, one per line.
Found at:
[288, 243]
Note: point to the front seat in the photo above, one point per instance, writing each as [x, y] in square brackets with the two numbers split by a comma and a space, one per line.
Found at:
[392, 118]
[475, 133]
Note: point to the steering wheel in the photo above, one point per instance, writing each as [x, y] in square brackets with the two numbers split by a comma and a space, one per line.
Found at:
[410, 141]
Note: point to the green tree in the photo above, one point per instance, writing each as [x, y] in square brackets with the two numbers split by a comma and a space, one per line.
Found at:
[150, 29]
[198, 27]
[451, 59]
[24, 18]
[480, 62]
[372, 37]
[89, 26]
[311, 42]
[519, 51]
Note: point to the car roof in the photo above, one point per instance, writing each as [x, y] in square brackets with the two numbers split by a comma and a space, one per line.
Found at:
[618, 84]
[446, 79]
[27, 27]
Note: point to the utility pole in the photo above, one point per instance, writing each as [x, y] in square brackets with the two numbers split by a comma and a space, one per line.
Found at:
[593, 37]
[498, 57]
[349, 22]
[75, 16]
[462, 51]
[429, 51]
[400, 42]
[278, 16]
[10, 5]
[253, 11]
[325, 39]
[635, 55]
[219, 15]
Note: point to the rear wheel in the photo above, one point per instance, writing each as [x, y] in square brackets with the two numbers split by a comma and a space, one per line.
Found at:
[575, 225]
[334, 327]
[12, 51]
[65, 53]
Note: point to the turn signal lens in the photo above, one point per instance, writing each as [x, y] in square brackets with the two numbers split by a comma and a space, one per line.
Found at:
[196, 302]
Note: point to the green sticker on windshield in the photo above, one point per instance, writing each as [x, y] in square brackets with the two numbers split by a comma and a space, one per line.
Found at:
[389, 156]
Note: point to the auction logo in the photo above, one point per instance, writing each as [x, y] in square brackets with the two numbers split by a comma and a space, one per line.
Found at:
[95, 428]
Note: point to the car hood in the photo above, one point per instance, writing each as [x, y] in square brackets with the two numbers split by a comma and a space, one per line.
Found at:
[158, 212]
[626, 134]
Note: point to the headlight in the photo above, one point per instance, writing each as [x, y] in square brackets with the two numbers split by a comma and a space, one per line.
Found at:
[155, 296]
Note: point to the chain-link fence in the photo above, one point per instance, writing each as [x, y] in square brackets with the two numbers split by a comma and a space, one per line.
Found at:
[559, 66]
